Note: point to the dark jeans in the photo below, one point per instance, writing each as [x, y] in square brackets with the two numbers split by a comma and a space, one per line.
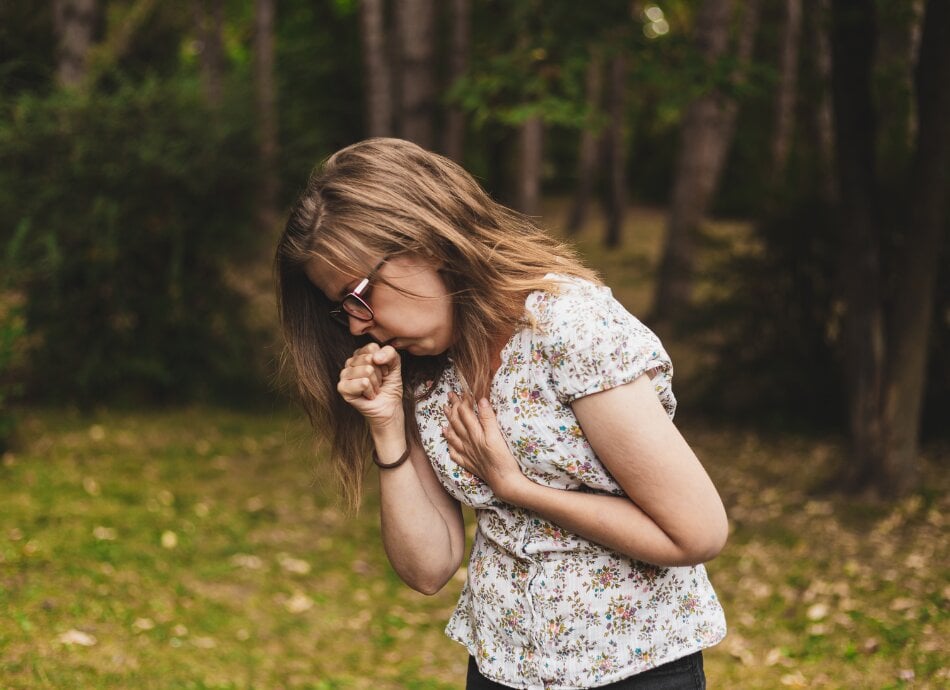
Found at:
[682, 674]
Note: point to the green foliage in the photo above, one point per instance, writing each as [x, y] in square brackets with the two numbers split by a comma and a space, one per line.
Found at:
[320, 94]
[132, 202]
[773, 325]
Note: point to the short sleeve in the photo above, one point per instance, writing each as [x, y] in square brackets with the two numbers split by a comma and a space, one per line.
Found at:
[593, 343]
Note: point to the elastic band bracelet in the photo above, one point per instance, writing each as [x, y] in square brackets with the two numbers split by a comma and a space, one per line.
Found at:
[391, 465]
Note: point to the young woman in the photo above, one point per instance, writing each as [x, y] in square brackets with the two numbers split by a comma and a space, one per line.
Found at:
[477, 361]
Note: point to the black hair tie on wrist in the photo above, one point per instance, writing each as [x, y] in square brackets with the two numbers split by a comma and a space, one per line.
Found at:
[391, 465]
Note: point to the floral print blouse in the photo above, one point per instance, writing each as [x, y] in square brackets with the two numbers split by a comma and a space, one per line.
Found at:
[543, 608]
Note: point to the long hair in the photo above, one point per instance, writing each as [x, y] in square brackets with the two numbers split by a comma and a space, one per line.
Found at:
[384, 197]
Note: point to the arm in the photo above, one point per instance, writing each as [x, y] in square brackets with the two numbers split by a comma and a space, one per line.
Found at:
[671, 514]
[422, 526]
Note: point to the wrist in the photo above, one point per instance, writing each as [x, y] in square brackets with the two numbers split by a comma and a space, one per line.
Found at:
[516, 490]
[394, 427]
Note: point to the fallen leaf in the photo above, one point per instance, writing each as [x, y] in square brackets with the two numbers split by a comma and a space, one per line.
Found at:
[142, 624]
[77, 637]
[244, 560]
[104, 533]
[299, 603]
[293, 565]
[817, 611]
[794, 680]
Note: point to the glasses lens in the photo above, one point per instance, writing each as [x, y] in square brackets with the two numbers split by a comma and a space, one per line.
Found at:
[354, 306]
[341, 317]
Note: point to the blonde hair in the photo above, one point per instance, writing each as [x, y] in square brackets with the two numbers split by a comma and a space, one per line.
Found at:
[383, 197]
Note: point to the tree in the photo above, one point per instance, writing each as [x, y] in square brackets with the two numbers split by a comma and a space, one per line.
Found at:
[74, 21]
[530, 159]
[884, 344]
[453, 134]
[707, 130]
[590, 143]
[787, 89]
[853, 31]
[616, 147]
[377, 75]
[266, 100]
[209, 25]
[416, 22]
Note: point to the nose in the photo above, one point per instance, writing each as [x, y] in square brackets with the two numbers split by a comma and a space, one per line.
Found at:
[358, 326]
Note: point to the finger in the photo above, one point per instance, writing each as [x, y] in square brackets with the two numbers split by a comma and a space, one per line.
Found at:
[387, 356]
[367, 349]
[468, 418]
[351, 389]
[451, 438]
[486, 416]
[364, 372]
[456, 424]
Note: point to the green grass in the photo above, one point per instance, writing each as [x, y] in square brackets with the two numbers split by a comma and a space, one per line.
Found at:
[202, 548]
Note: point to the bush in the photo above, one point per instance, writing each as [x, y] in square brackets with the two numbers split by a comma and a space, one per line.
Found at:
[775, 324]
[133, 202]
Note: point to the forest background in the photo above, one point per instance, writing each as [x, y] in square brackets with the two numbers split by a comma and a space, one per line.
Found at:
[763, 182]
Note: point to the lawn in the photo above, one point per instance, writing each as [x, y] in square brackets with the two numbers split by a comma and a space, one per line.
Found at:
[203, 548]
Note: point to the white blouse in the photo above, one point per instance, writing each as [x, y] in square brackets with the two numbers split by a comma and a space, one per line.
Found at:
[543, 608]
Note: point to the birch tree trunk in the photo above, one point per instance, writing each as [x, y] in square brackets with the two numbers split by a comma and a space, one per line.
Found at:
[530, 156]
[707, 130]
[911, 316]
[378, 79]
[590, 144]
[453, 141]
[416, 19]
[74, 22]
[266, 93]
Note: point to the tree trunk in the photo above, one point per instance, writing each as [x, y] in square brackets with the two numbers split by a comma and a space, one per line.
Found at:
[530, 152]
[853, 31]
[894, 61]
[707, 130]
[913, 306]
[74, 22]
[819, 19]
[590, 146]
[787, 89]
[209, 24]
[266, 93]
[616, 150]
[378, 79]
[416, 19]
[453, 142]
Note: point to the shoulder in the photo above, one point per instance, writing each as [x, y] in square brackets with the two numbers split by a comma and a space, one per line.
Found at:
[570, 299]
[591, 342]
[578, 312]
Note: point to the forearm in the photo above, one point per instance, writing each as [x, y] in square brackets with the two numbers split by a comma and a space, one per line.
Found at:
[615, 522]
[422, 530]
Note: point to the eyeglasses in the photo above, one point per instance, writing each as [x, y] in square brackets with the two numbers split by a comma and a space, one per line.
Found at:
[354, 304]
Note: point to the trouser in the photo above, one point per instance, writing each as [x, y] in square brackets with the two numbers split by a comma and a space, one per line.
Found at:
[685, 673]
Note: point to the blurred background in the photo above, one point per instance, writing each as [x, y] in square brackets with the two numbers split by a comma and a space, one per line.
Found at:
[764, 183]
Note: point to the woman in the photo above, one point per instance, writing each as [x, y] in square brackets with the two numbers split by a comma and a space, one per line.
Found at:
[478, 362]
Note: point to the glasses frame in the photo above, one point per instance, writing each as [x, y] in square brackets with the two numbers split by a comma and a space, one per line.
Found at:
[342, 315]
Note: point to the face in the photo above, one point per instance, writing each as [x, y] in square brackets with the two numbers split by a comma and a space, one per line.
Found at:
[419, 322]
